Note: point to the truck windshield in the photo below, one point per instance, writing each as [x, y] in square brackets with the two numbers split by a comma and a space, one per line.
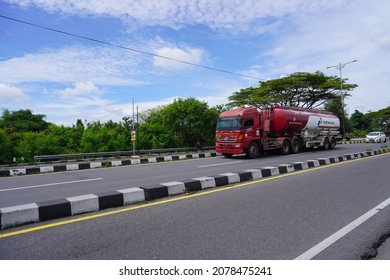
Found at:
[230, 123]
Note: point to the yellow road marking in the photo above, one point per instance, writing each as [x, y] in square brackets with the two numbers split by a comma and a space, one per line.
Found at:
[184, 197]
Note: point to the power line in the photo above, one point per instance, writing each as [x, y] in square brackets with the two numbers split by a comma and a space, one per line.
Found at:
[364, 102]
[127, 48]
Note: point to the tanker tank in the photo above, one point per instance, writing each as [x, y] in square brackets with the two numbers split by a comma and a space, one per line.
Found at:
[293, 120]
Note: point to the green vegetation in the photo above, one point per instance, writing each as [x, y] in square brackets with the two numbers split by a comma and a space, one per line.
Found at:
[360, 124]
[180, 124]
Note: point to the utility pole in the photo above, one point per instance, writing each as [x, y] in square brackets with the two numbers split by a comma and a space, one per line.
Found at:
[340, 66]
[136, 136]
[133, 132]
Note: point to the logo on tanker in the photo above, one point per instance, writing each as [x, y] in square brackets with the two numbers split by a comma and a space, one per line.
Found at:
[322, 122]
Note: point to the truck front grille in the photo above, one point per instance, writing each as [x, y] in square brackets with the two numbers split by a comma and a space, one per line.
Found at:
[227, 139]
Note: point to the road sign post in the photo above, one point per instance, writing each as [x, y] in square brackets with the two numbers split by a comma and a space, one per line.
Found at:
[133, 139]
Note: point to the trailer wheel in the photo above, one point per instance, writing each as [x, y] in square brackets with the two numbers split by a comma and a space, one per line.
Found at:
[326, 144]
[286, 147]
[295, 147]
[252, 151]
[332, 143]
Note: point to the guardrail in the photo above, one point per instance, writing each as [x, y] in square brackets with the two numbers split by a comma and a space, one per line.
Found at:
[45, 158]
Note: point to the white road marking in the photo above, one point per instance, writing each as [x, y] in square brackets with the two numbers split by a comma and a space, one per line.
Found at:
[311, 253]
[225, 163]
[51, 184]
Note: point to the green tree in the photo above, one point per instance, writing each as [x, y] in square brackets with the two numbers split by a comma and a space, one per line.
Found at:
[5, 148]
[358, 121]
[26, 146]
[23, 121]
[77, 134]
[190, 121]
[180, 124]
[92, 140]
[379, 120]
[58, 140]
[111, 136]
[335, 106]
[301, 89]
[152, 132]
[359, 124]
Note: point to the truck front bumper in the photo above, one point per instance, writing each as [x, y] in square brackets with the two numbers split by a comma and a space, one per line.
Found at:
[234, 149]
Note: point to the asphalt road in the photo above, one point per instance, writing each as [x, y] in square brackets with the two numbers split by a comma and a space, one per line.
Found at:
[281, 217]
[35, 188]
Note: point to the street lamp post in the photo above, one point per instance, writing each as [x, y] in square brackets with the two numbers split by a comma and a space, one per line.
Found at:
[340, 66]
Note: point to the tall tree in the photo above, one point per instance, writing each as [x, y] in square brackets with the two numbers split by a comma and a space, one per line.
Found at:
[335, 106]
[190, 121]
[358, 121]
[23, 121]
[379, 120]
[182, 123]
[301, 89]
[153, 133]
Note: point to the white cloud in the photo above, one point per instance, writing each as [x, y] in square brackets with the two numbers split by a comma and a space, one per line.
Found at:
[243, 15]
[144, 106]
[107, 66]
[82, 101]
[80, 88]
[189, 55]
[12, 95]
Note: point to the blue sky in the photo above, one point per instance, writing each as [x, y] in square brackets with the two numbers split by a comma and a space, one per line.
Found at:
[67, 78]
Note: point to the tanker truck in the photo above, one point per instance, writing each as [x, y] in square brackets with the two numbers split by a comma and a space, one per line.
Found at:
[288, 129]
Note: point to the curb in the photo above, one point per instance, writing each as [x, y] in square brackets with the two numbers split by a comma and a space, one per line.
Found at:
[65, 207]
[352, 142]
[91, 165]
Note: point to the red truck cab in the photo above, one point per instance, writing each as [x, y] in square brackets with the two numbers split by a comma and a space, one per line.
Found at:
[236, 129]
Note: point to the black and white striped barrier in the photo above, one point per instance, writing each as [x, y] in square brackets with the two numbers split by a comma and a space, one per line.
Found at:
[91, 165]
[60, 208]
[352, 142]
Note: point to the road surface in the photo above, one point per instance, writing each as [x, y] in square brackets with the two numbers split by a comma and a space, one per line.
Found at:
[277, 218]
[43, 187]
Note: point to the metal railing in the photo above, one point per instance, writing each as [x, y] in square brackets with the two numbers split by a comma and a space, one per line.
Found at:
[45, 158]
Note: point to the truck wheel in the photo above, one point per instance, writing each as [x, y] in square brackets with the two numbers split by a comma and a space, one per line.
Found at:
[326, 144]
[295, 147]
[332, 143]
[227, 155]
[252, 151]
[286, 147]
